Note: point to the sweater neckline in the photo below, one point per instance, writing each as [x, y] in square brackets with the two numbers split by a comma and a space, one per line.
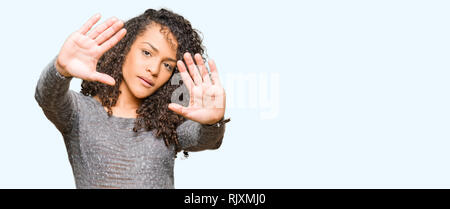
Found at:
[101, 109]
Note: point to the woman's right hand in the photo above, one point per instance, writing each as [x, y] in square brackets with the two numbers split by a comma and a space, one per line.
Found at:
[81, 51]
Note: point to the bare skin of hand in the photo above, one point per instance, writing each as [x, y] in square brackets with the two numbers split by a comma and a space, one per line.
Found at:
[207, 96]
[81, 51]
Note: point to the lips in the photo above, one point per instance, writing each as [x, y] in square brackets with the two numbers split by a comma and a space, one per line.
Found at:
[147, 82]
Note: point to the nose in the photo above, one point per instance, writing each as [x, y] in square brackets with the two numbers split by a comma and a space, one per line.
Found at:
[153, 70]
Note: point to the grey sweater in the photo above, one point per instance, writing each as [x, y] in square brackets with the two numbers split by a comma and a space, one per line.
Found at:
[103, 150]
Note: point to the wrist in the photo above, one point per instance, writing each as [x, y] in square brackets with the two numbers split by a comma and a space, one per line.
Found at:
[219, 123]
[61, 70]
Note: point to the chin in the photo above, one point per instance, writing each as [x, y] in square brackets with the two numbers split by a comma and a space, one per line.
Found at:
[140, 93]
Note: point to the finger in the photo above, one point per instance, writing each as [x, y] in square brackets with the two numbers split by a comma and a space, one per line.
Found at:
[214, 74]
[193, 71]
[102, 27]
[106, 34]
[88, 25]
[112, 41]
[103, 78]
[203, 70]
[185, 75]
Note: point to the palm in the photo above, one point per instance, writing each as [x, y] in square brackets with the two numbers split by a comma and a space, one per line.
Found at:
[81, 51]
[207, 96]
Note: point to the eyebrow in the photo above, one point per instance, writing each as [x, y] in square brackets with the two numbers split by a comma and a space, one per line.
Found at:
[155, 49]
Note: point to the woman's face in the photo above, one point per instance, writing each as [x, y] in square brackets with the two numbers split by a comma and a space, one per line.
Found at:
[150, 62]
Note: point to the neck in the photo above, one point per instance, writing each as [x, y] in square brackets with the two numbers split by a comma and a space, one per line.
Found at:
[126, 100]
[126, 104]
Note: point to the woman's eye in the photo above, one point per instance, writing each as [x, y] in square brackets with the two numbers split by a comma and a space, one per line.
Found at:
[146, 53]
[168, 66]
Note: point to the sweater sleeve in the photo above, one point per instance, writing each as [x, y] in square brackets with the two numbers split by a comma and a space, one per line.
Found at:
[54, 97]
[194, 137]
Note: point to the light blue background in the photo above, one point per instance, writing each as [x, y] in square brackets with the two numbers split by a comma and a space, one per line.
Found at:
[363, 92]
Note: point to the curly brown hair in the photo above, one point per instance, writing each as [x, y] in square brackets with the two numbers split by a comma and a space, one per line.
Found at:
[153, 114]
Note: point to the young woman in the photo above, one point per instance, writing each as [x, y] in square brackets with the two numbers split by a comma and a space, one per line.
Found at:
[122, 130]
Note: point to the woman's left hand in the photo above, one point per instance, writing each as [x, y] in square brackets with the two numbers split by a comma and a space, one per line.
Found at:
[207, 96]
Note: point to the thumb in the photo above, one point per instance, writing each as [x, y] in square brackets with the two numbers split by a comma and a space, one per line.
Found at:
[103, 78]
[178, 109]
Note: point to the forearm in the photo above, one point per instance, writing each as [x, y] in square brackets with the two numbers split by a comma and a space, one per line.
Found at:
[195, 137]
[54, 97]
[52, 87]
